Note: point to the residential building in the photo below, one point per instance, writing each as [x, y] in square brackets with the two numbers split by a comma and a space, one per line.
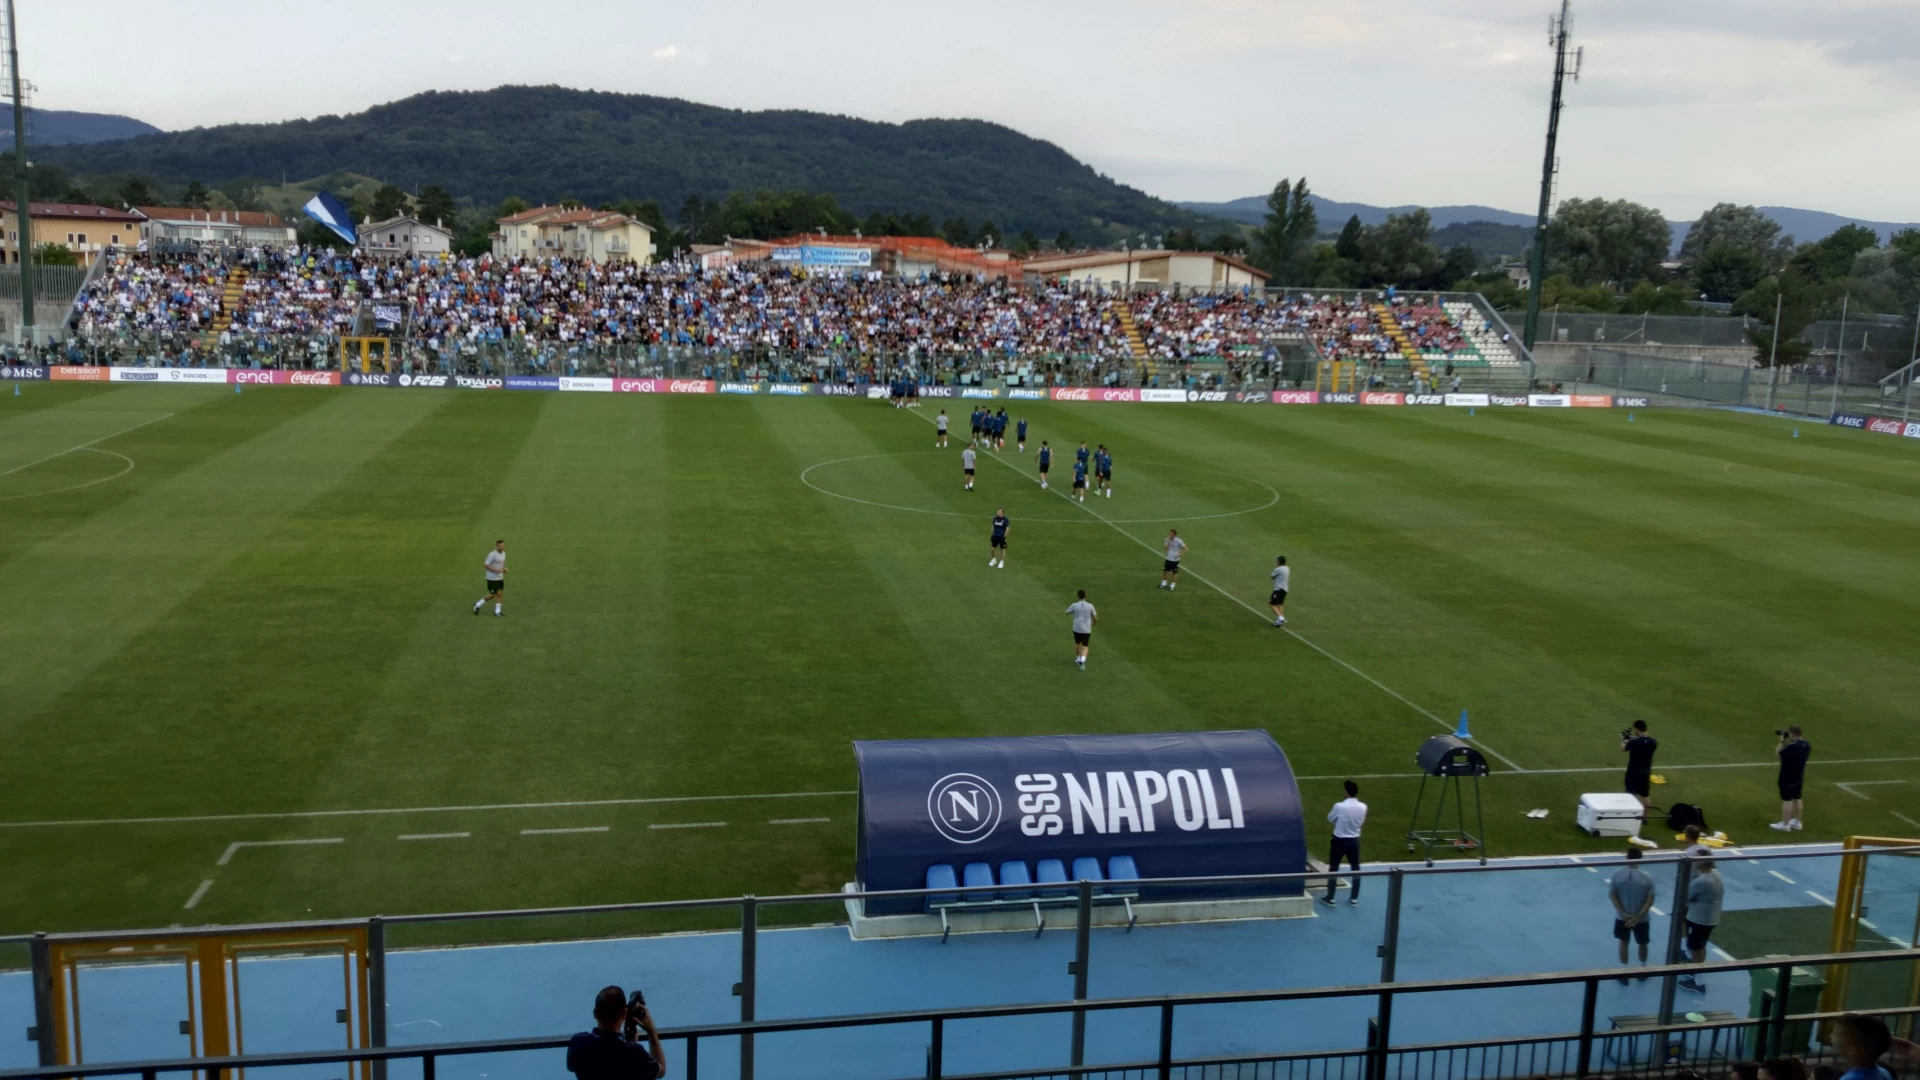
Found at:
[84, 230]
[1187, 269]
[186, 224]
[405, 235]
[895, 256]
[601, 236]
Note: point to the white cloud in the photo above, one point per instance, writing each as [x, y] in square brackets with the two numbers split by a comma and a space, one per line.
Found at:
[666, 52]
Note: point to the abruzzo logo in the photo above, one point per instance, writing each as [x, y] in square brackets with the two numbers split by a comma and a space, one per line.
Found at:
[963, 807]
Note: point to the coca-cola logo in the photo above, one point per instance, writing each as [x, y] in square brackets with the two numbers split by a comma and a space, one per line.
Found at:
[1884, 426]
[689, 386]
[1383, 399]
[314, 378]
[1074, 394]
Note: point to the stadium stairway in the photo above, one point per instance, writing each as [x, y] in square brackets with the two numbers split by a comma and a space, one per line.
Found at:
[230, 296]
[1135, 343]
[1401, 340]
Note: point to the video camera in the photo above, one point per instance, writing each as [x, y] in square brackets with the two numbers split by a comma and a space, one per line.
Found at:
[1626, 733]
[635, 1005]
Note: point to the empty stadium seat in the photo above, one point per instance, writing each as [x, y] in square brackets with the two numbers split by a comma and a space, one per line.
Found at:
[976, 875]
[1051, 872]
[1015, 873]
[1121, 868]
[940, 876]
[1087, 868]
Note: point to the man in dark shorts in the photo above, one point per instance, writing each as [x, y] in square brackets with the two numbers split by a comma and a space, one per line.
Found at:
[997, 544]
[1170, 569]
[1793, 753]
[1631, 891]
[1084, 616]
[1023, 434]
[940, 430]
[1704, 895]
[1046, 462]
[1277, 599]
[496, 565]
[966, 465]
[1080, 480]
[1639, 747]
[1103, 470]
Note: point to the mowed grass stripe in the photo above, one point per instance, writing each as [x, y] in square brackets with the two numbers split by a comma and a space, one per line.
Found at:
[1583, 582]
[80, 596]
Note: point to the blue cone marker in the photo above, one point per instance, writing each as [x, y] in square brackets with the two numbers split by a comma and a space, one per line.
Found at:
[1629, 418]
[1461, 732]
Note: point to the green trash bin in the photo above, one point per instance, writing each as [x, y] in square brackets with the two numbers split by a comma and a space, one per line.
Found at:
[1804, 988]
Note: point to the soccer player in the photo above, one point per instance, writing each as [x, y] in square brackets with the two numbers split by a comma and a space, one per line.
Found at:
[1046, 462]
[496, 565]
[1084, 616]
[1022, 431]
[966, 463]
[1170, 571]
[940, 430]
[975, 439]
[997, 546]
[1277, 600]
[1103, 470]
[1080, 455]
[1080, 480]
[1000, 430]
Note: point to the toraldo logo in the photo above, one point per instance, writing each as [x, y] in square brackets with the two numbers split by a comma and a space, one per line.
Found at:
[963, 807]
[475, 382]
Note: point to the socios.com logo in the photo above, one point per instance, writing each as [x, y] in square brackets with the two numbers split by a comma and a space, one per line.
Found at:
[964, 808]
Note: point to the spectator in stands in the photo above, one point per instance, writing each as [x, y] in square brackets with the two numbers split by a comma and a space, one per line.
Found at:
[1745, 1070]
[607, 1052]
[1347, 816]
[1704, 895]
[1631, 891]
[1861, 1041]
[1783, 1068]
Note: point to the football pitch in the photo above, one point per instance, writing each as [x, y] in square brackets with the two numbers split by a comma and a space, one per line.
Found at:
[242, 680]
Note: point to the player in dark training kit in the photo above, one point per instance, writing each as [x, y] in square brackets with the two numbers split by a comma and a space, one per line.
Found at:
[1023, 434]
[975, 418]
[997, 545]
[1103, 470]
[1080, 455]
[1080, 480]
[1046, 462]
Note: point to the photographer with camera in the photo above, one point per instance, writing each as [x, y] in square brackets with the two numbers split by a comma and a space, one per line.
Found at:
[612, 1050]
[1639, 747]
[1793, 752]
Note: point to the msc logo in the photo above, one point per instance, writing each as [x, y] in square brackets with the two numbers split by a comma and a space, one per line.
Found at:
[963, 807]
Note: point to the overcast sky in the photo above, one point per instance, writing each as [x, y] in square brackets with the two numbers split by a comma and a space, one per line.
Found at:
[1683, 103]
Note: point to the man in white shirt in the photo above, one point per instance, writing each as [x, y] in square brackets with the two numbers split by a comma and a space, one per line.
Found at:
[966, 466]
[1084, 616]
[1277, 600]
[1170, 570]
[1347, 816]
[496, 565]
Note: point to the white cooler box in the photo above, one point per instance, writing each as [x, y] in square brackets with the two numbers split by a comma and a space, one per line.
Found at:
[1607, 813]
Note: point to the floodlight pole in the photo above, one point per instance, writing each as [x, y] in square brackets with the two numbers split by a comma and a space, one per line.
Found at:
[23, 248]
[1562, 33]
[1839, 354]
[1773, 354]
[1913, 358]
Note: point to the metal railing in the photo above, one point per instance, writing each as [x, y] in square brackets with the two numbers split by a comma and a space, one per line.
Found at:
[751, 909]
[1567, 1054]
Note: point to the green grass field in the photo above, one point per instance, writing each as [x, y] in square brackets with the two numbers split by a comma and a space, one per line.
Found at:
[228, 611]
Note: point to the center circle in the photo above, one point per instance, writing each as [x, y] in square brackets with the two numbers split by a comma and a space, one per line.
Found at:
[81, 467]
[819, 477]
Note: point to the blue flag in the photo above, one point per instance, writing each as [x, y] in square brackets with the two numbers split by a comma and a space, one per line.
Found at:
[328, 210]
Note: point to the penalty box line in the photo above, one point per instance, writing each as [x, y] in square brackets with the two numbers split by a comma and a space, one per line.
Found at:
[1390, 691]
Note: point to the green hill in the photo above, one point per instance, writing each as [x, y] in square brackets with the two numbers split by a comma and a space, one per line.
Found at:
[543, 143]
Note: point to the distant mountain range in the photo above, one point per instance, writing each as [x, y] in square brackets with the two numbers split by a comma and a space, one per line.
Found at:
[544, 143]
[1805, 226]
[55, 127]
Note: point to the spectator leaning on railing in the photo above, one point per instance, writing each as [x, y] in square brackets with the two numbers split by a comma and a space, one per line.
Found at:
[612, 1050]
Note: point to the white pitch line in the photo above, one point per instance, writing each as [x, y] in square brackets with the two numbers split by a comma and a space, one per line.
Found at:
[194, 900]
[434, 836]
[1905, 818]
[559, 832]
[85, 445]
[1783, 877]
[1818, 897]
[798, 820]
[1720, 952]
[227, 855]
[300, 814]
[689, 825]
[1390, 691]
[1851, 784]
[1617, 768]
